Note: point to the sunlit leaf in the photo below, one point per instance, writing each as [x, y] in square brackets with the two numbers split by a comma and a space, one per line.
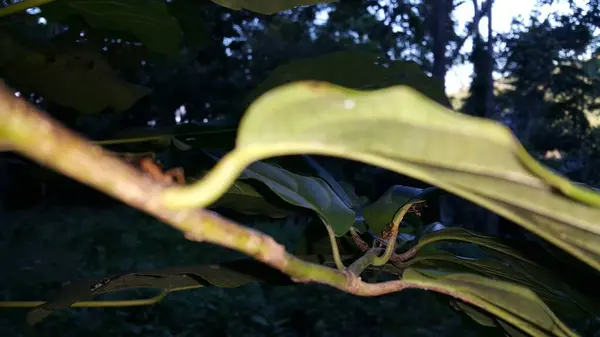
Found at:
[399, 129]
[380, 213]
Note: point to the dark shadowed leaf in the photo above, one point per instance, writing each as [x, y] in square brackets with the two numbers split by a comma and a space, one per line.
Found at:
[187, 136]
[188, 15]
[369, 71]
[80, 80]
[149, 21]
[306, 192]
[314, 240]
[245, 199]
[225, 275]
[464, 235]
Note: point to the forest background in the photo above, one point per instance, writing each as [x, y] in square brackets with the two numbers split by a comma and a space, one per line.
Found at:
[539, 76]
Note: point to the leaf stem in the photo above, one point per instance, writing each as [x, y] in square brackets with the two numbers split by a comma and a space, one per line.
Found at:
[392, 237]
[334, 247]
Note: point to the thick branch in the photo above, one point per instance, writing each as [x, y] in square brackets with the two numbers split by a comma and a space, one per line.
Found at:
[35, 135]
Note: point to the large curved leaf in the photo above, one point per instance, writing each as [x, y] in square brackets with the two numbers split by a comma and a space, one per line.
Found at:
[307, 192]
[380, 213]
[464, 235]
[245, 199]
[399, 129]
[192, 135]
[513, 303]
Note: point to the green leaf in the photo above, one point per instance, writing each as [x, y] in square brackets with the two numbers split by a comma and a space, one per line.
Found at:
[379, 214]
[533, 204]
[223, 275]
[267, 7]
[183, 137]
[307, 192]
[561, 298]
[356, 201]
[487, 320]
[315, 240]
[245, 199]
[501, 263]
[80, 80]
[464, 235]
[367, 71]
[148, 20]
[513, 303]
[330, 180]
[399, 129]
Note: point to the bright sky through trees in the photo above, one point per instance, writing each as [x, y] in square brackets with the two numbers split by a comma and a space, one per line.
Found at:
[503, 13]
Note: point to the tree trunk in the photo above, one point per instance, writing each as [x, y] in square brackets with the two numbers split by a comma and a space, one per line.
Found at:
[439, 26]
[489, 99]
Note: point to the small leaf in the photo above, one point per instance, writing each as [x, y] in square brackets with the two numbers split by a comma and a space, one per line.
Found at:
[399, 129]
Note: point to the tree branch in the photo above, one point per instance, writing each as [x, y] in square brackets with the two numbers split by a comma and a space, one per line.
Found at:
[479, 13]
[37, 136]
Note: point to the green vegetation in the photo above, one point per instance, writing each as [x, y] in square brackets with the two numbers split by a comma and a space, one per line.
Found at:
[276, 188]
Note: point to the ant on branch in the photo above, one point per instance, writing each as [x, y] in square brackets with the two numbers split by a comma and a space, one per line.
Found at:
[149, 165]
